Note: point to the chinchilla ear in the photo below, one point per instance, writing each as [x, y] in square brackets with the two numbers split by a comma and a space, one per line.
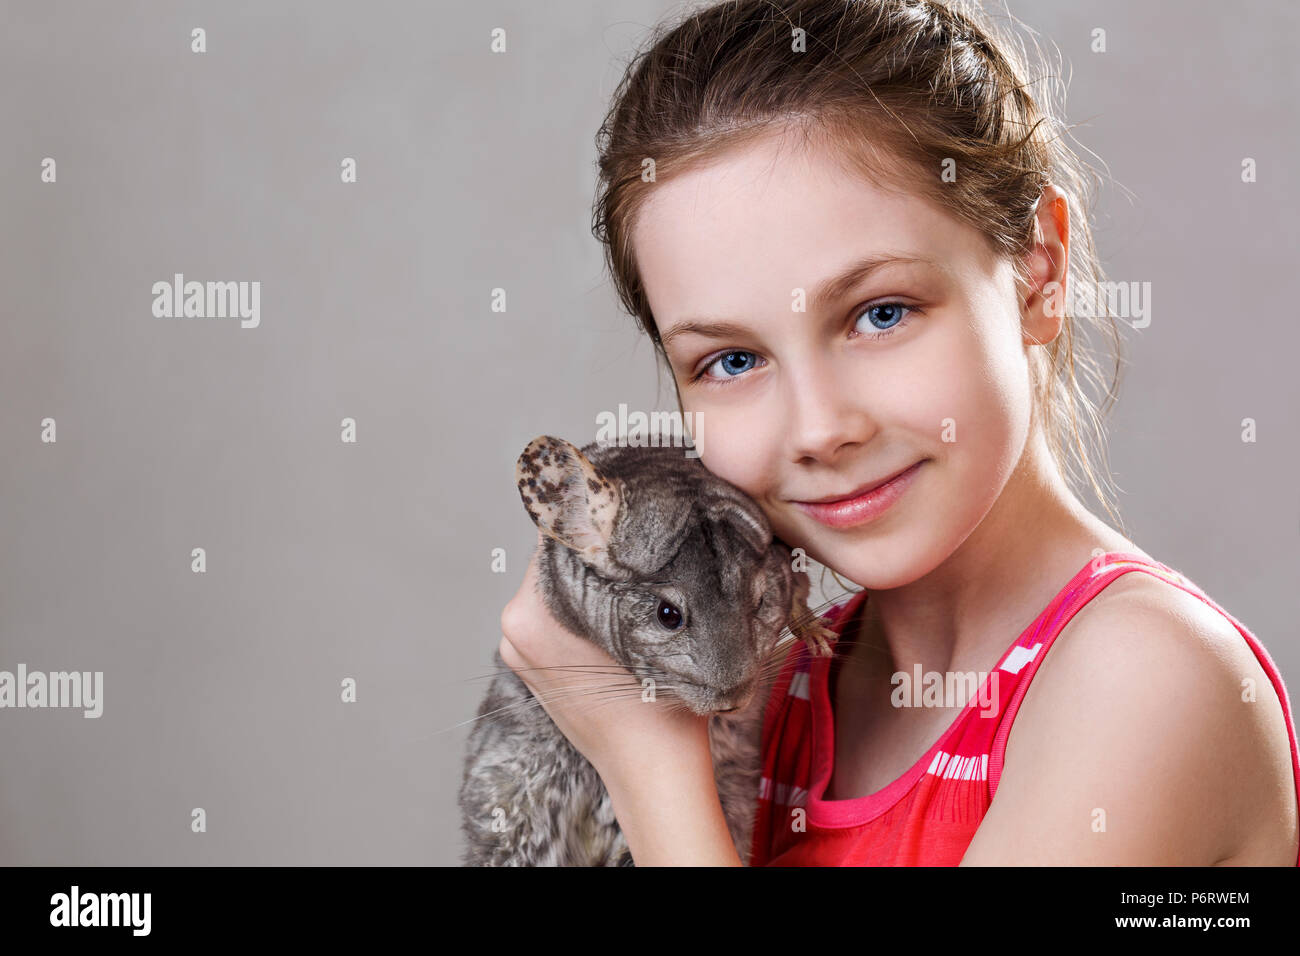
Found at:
[569, 499]
[730, 504]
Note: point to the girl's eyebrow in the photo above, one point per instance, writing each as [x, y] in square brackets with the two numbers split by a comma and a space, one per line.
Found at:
[829, 290]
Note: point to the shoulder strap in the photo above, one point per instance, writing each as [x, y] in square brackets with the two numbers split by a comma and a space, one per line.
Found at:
[1033, 648]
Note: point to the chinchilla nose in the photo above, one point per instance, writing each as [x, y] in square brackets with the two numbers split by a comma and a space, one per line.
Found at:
[739, 694]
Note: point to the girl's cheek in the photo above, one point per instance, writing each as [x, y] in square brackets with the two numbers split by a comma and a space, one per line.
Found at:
[740, 451]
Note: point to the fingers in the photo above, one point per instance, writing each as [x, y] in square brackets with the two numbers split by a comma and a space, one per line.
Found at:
[515, 627]
[523, 618]
[509, 654]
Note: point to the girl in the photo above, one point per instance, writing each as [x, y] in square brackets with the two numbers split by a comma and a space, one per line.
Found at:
[852, 235]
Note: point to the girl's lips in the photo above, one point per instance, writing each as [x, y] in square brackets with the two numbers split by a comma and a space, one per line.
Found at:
[866, 507]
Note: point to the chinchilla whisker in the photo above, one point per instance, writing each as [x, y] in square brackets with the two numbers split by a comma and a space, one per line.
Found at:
[771, 668]
[530, 703]
[572, 693]
[819, 610]
[608, 667]
[515, 706]
[568, 668]
[535, 699]
[579, 690]
[677, 705]
[597, 680]
[588, 668]
[597, 698]
[859, 664]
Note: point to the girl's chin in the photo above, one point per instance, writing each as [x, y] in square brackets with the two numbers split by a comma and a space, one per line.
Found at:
[873, 563]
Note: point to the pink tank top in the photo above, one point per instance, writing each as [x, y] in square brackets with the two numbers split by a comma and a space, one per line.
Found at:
[928, 816]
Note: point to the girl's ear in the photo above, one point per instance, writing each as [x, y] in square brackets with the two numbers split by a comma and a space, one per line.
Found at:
[1043, 286]
[568, 498]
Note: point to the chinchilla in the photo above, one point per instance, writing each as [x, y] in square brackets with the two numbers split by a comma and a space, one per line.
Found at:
[675, 573]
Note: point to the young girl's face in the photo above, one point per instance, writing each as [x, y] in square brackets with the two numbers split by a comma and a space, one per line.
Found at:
[913, 362]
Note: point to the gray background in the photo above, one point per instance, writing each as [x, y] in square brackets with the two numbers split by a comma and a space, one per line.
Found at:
[371, 561]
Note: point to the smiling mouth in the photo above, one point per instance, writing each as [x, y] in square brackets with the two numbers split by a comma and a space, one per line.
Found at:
[857, 492]
[861, 507]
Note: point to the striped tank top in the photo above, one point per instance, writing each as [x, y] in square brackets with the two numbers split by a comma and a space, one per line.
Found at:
[929, 815]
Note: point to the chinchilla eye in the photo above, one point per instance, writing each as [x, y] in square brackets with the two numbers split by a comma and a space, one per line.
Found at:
[668, 616]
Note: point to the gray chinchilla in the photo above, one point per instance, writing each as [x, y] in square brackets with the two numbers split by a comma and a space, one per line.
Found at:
[675, 573]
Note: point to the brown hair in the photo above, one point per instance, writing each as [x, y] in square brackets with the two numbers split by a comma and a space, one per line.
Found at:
[930, 80]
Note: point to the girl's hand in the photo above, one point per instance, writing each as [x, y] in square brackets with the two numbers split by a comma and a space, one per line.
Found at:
[594, 701]
[653, 758]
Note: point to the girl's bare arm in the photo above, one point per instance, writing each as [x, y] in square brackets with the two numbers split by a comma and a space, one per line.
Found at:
[1135, 747]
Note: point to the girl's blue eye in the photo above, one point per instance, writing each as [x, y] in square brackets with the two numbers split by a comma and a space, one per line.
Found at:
[892, 318]
[884, 318]
[733, 364]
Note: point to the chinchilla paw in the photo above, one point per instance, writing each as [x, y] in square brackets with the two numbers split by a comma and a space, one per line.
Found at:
[816, 635]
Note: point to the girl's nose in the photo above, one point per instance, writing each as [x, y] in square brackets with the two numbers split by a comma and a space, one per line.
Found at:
[825, 414]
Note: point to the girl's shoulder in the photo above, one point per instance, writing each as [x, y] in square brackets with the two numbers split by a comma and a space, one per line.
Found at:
[1139, 613]
[1152, 705]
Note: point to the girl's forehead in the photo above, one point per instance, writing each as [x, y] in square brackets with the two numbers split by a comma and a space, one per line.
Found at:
[772, 189]
[767, 174]
[759, 217]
